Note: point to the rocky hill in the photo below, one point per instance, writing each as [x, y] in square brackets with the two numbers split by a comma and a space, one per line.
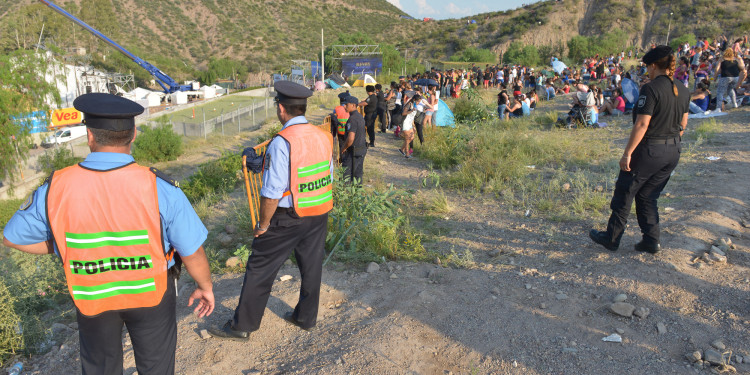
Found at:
[182, 36]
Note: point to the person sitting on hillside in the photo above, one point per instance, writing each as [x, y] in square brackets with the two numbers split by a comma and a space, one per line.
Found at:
[549, 90]
[533, 98]
[502, 103]
[521, 107]
[682, 73]
[700, 99]
[614, 106]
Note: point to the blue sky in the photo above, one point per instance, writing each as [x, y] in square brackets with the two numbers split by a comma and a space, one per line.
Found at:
[442, 9]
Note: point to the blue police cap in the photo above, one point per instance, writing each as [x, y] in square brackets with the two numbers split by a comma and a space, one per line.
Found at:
[107, 111]
[351, 100]
[288, 92]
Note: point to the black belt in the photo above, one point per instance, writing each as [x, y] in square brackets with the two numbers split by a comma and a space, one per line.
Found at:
[284, 210]
[663, 141]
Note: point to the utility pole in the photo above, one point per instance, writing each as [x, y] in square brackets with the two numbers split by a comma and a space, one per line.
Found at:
[669, 28]
[322, 57]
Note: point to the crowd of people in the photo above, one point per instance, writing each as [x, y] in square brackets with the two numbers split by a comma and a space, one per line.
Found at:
[715, 73]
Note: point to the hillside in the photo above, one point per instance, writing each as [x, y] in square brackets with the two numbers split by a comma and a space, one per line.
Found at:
[552, 24]
[181, 37]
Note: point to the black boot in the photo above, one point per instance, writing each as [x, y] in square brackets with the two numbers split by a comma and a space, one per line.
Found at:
[227, 332]
[648, 247]
[603, 239]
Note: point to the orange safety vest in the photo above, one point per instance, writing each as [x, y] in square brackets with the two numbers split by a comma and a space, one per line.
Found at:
[107, 229]
[311, 181]
[342, 116]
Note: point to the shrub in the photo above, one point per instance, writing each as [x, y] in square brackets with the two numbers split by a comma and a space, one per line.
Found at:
[157, 144]
[10, 339]
[7, 209]
[58, 158]
[38, 286]
[469, 108]
[364, 227]
[213, 178]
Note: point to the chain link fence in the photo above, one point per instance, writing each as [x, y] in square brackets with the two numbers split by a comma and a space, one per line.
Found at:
[247, 118]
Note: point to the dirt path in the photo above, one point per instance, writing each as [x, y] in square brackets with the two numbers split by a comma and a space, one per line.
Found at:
[535, 301]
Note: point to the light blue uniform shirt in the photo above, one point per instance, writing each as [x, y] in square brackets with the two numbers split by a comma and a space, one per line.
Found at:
[182, 229]
[276, 176]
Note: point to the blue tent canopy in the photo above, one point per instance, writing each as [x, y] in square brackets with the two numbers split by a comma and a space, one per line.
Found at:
[444, 115]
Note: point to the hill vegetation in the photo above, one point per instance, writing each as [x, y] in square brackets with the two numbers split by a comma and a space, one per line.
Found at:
[211, 40]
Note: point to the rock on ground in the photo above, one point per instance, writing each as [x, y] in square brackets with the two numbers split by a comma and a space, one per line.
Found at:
[622, 309]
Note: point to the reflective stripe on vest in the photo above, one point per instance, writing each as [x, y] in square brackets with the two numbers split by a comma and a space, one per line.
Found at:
[107, 229]
[310, 169]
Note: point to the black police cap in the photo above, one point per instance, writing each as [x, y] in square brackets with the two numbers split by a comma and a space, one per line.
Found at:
[107, 111]
[288, 92]
[351, 100]
[656, 54]
[343, 96]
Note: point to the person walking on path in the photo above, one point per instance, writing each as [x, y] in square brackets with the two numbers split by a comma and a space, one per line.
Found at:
[370, 105]
[121, 232]
[652, 153]
[296, 196]
[354, 148]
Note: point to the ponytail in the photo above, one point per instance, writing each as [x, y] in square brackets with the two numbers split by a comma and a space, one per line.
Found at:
[668, 63]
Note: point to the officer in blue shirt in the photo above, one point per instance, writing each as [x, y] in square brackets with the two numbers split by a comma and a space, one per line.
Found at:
[153, 330]
[280, 231]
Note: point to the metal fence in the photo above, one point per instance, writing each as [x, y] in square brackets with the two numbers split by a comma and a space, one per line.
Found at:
[246, 118]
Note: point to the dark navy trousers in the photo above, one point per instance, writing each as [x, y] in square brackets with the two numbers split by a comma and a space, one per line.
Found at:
[651, 165]
[306, 237]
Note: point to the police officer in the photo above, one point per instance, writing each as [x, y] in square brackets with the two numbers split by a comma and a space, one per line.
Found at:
[339, 117]
[354, 147]
[370, 105]
[381, 107]
[652, 153]
[295, 200]
[111, 222]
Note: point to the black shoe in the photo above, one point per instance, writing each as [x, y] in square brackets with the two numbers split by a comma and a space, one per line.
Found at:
[372, 144]
[647, 248]
[602, 239]
[228, 333]
[289, 317]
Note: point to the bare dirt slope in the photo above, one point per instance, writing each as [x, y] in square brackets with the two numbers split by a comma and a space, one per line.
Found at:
[536, 299]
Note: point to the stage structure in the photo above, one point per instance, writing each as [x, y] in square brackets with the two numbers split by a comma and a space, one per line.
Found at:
[359, 59]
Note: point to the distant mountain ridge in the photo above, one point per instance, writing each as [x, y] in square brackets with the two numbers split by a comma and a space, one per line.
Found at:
[181, 36]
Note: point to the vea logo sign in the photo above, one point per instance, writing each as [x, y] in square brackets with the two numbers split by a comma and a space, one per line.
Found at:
[66, 116]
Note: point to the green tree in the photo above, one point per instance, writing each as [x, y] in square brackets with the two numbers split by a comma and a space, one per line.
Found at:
[524, 55]
[23, 91]
[579, 48]
[472, 54]
[682, 39]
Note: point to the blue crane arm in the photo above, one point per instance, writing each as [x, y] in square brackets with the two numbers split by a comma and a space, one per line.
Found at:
[166, 82]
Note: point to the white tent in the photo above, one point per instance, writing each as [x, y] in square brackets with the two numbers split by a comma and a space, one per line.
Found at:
[208, 92]
[179, 97]
[154, 99]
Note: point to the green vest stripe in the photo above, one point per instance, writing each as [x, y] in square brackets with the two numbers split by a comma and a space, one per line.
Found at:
[313, 169]
[94, 240]
[88, 236]
[113, 289]
[316, 200]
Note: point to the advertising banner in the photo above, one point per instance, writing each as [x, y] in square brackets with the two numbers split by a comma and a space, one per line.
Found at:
[35, 121]
[362, 65]
[65, 116]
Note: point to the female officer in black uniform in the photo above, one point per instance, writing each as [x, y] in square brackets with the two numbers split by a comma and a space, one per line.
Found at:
[652, 153]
